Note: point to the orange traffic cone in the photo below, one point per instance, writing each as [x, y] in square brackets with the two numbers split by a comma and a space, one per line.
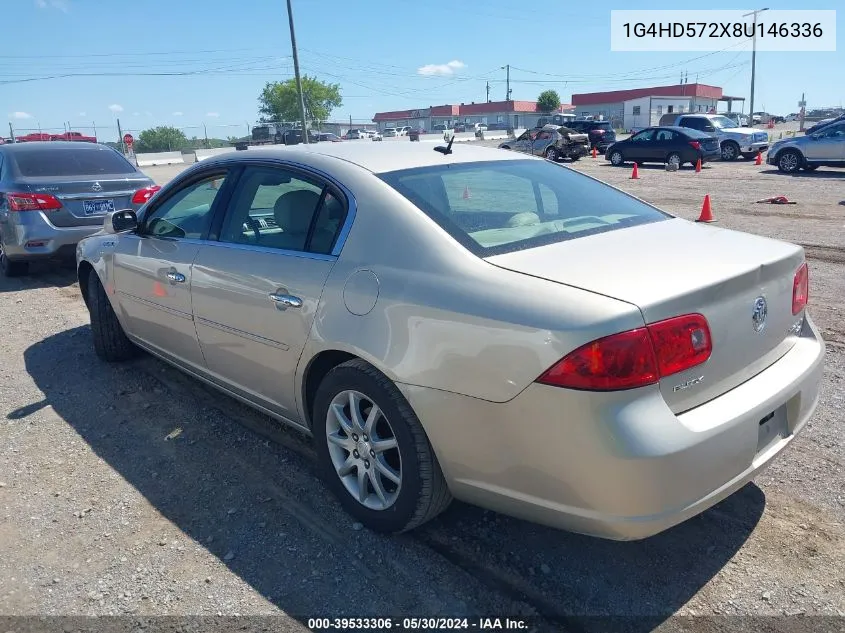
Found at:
[594, 152]
[706, 211]
[759, 159]
[698, 166]
[467, 194]
[635, 174]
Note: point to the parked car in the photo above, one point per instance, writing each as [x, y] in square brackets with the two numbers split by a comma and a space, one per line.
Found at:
[356, 134]
[822, 148]
[629, 387]
[737, 117]
[390, 132]
[415, 132]
[665, 144]
[824, 123]
[55, 193]
[328, 136]
[376, 136]
[601, 133]
[734, 140]
[552, 142]
[459, 127]
[73, 136]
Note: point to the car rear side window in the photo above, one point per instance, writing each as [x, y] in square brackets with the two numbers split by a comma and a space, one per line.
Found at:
[498, 207]
[53, 162]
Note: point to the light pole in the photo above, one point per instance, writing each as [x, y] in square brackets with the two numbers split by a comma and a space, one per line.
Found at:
[296, 73]
[753, 61]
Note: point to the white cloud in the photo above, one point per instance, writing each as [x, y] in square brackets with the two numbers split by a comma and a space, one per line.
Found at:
[61, 5]
[82, 114]
[177, 114]
[20, 115]
[116, 107]
[213, 115]
[441, 69]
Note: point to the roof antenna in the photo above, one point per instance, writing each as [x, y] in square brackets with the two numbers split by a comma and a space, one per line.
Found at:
[445, 150]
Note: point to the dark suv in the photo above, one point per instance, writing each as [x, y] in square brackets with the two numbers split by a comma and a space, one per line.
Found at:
[601, 133]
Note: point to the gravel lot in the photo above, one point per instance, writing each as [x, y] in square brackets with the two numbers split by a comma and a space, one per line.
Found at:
[102, 514]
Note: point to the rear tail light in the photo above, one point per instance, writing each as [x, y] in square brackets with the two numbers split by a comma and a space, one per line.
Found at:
[695, 144]
[800, 289]
[635, 358]
[32, 202]
[142, 195]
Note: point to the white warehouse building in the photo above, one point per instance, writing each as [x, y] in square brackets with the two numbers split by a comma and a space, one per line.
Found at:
[639, 108]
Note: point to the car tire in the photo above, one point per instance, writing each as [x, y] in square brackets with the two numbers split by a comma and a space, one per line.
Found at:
[550, 153]
[730, 151]
[12, 268]
[675, 157]
[749, 156]
[421, 492]
[811, 167]
[616, 159]
[505, 147]
[110, 341]
[789, 161]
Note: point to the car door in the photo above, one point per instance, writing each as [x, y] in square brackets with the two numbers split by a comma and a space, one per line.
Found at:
[662, 145]
[152, 266]
[541, 141]
[523, 143]
[827, 145]
[640, 146]
[255, 289]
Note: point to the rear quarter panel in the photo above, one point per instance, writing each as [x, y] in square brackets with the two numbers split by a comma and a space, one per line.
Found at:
[441, 317]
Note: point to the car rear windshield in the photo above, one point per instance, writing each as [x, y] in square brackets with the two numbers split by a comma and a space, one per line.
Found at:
[496, 207]
[49, 162]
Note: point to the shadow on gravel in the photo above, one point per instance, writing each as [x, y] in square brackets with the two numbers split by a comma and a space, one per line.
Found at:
[819, 173]
[57, 274]
[258, 507]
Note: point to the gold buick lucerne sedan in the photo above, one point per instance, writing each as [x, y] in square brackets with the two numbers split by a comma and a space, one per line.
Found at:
[469, 323]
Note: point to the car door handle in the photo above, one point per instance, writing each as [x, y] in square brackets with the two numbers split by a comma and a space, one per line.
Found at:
[176, 277]
[285, 301]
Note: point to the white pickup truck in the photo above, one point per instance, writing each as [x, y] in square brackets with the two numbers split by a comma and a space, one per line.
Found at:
[734, 140]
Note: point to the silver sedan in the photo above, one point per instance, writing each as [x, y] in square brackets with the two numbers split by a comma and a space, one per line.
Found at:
[469, 323]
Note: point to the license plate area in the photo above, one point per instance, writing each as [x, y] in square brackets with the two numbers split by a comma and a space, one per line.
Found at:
[771, 429]
[97, 207]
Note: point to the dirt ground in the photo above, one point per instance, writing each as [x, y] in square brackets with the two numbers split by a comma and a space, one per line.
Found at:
[102, 514]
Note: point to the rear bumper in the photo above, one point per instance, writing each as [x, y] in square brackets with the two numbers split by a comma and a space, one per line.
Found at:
[620, 466]
[56, 241]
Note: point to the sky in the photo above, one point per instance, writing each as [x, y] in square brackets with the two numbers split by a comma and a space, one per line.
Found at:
[195, 64]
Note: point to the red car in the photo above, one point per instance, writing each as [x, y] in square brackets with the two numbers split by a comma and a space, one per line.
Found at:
[73, 136]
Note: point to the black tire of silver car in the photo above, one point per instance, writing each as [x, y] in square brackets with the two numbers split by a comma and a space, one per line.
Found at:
[12, 268]
[730, 150]
[110, 341]
[790, 161]
[616, 158]
[421, 492]
[550, 153]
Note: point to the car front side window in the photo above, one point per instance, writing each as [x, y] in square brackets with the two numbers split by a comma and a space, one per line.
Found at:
[186, 213]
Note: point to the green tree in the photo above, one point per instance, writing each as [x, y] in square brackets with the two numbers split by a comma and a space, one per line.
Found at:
[548, 101]
[161, 139]
[279, 101]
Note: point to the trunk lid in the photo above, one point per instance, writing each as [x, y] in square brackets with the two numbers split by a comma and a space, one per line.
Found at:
[86, 200]
[677, 267]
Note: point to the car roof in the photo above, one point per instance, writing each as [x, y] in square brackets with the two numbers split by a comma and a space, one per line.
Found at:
[30, 146]
[380, 158]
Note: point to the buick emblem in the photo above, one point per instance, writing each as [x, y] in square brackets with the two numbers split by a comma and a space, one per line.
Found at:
[758, 315]
[96, 187]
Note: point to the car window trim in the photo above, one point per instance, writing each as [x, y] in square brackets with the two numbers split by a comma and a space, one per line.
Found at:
[329, 184]
[179, 186]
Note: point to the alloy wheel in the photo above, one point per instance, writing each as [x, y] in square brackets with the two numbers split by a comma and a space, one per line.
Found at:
[364, 450]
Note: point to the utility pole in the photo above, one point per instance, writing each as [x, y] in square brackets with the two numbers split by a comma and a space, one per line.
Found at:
[753, 62]
[120, 137]
[11, 132]
[296, 73]
[508, 66]
[488, 92]
[205, 130]
[801, 111]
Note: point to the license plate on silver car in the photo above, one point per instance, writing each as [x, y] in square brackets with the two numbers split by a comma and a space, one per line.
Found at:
[96, 207]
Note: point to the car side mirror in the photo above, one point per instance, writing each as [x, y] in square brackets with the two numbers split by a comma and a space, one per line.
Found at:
[120, 221]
